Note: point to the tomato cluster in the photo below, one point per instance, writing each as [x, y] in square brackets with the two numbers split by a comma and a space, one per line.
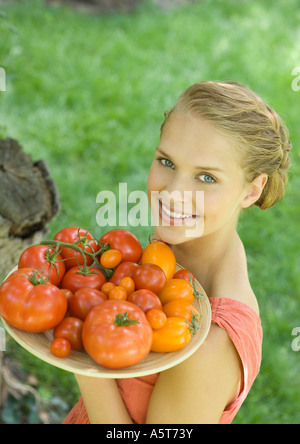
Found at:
[107, 297]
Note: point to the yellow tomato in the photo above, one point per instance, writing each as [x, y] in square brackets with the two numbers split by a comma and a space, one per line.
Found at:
[173, 336]
[160, 254]
[177, 289]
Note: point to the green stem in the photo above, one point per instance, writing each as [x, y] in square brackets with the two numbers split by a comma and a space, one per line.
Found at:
[84, 269]
[122, 320]
[194, 325]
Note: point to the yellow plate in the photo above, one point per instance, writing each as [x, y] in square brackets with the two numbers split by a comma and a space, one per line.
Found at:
[38, 344]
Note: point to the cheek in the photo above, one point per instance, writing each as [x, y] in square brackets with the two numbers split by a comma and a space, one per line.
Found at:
[221, 205]
[150, 181]
[155, 179]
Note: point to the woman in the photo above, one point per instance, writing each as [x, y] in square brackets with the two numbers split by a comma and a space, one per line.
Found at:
[220, 139]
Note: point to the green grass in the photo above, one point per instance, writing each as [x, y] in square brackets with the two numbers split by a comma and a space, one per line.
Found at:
[87, 93]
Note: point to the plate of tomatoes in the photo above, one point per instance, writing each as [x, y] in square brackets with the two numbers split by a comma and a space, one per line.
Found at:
[104, 308]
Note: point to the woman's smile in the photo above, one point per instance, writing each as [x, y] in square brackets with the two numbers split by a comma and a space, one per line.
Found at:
[175, 216]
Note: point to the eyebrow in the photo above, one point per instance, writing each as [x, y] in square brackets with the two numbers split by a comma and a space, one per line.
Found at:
[205, 168]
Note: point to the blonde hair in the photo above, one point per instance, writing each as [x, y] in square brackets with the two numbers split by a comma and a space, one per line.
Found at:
[260, 132]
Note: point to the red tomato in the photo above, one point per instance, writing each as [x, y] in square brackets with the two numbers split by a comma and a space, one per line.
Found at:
[160, 254]
[60, 347]
[30, 306]
[83, 300]
[116, 334]
[150, 277]
[30, 272]
[74, 280]
[44, 259]
[145, 299]
[70, 328]
[173, 336]
[125, 269]
[71, 235]
[124, 241]
[184, 274]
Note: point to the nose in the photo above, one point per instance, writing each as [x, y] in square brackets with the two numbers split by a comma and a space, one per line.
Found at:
[179, 184]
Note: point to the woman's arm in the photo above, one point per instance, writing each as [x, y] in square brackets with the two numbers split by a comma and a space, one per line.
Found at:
[198, 390]
[102, 400]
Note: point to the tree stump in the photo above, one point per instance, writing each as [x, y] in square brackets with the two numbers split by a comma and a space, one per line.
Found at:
[28, 202]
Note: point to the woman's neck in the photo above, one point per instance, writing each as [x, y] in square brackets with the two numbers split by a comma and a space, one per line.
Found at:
[203, 256]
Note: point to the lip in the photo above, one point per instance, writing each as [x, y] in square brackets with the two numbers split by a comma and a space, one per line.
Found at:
[164, 212]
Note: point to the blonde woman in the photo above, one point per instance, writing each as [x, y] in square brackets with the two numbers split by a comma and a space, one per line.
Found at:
[223, 140]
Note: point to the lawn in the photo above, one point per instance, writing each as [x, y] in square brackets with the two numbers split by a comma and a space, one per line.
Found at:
[87, 93]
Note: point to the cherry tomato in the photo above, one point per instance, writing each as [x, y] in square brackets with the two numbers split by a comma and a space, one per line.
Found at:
[111, 258]
[117, 293]
[145, 299]
[184, 274]
[128, 283]
[181, 308]
[83, 300]
[106, 287]
[68, 293]
[156, 318]
[60, 347]
[29, 304]
[71, 329]
[177, 289]
[125, 269]
[45, 259]
[74, 279]
[124, 241]
[160, 254]
[150, 277]
[116, 334]
[173, 336]
[72, 235]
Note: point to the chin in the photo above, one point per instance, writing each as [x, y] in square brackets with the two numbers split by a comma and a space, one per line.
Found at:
[174, 235]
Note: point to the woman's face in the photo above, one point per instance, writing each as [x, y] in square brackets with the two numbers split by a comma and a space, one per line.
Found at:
[200, 165]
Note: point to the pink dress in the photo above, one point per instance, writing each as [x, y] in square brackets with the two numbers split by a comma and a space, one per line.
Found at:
[243, 326]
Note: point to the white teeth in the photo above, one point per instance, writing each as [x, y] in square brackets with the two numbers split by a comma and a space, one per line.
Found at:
[174, 215]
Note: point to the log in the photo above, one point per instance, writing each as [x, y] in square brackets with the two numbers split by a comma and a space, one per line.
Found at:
[29, 200]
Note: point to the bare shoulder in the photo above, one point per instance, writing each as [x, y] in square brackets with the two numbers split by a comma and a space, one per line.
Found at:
[198, 390]
[231, 279]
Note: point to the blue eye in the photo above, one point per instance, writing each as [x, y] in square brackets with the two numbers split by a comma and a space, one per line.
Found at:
[166, 163]
[206, 178]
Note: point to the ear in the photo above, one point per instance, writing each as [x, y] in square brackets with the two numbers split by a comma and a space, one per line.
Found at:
[254, 190]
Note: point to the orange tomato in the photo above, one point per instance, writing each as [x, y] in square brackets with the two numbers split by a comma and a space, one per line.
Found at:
[107, 287]
[181, 308]
[127, 283]
[156, 318]
[117, 293]
[111, 258]
[173, 336]
[159, 253]
[60, 347]
[177, 289]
